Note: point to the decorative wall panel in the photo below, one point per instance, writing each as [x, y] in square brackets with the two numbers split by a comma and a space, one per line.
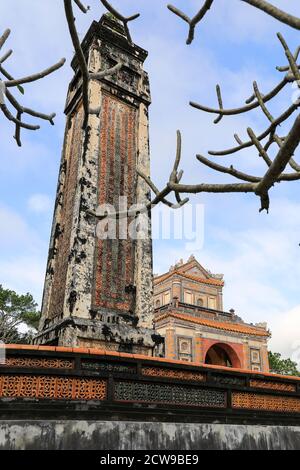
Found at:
[108, 367]
[285, 387]
[169, 394]
[255, 356]
[185, 349]
[228, 380]
[173, 373]
[42, 386]
[252, 401]
[33, 362]
[117, 177]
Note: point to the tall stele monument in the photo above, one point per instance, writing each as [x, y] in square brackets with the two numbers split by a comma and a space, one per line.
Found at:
[98, 293]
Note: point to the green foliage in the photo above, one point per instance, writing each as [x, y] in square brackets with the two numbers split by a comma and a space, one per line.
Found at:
[17, 310]
[112, 17]
[282, 366]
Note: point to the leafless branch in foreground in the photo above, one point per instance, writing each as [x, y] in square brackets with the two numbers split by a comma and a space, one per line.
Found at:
[86, 75]
[80, 5]
[159, 196]
[262, 5]
[192, 22]
[287, 145]
[10, 82]
[175, 176]
[125, 20]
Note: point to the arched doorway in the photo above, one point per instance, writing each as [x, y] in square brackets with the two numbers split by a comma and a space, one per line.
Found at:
[222, 355]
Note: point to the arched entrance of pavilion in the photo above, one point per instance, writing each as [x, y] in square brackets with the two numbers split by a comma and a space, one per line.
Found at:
[221, 354]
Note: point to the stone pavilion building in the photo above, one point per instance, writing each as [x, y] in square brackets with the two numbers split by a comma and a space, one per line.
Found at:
[188, 303]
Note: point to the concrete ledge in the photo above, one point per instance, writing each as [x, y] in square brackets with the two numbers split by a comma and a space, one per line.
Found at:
[115, 435]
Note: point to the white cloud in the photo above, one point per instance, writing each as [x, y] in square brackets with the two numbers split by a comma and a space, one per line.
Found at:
[24, 274]
[286, 334]
[259, 258]
[23, 254]
[241, 23]
[16, 235]
[40, 203]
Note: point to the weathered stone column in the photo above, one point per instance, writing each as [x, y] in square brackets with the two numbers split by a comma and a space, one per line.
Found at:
[98, 291]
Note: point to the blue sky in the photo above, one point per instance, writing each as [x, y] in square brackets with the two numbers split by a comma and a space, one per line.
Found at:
[258, 253]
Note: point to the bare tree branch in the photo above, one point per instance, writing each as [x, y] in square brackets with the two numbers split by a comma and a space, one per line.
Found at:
[213, 188]
[262, 136]
[261, 102]
[105, 73]
[86, 75]
[35, 77]
[81, 6]
[230, 170]
[286, 68]
[220, 101]
[17, 135]
[79, 55]
[290, 57]
[160, 196]
[271, 10]
[2, 92]
[6, 56]
[280, 162]
[266, 7]
[261, 150]
[125, 20]
[244, 109]
[258, 185]
[10, 117]
[294, 165]
[192, 21]
[10, 82]
[23, 109]
[118, 15]
[4, 37]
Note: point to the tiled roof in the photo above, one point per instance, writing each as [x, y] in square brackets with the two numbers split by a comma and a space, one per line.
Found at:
[211, 281]
[191, 264]
[228, 326]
